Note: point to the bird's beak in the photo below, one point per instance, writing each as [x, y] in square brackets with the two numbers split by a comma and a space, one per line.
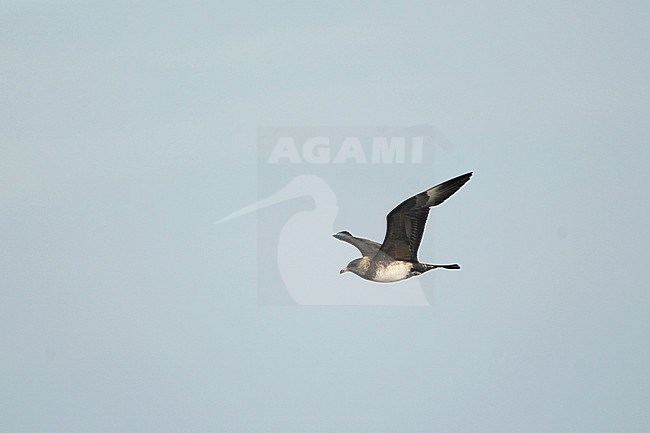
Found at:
[343, 270]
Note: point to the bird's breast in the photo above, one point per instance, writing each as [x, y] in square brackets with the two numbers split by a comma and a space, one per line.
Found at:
[388, 272]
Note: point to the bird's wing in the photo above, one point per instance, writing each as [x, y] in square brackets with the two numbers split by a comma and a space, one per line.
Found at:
[405, 223]
[367, 247]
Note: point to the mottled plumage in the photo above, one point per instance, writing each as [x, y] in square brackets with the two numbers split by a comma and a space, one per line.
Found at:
[396, 258]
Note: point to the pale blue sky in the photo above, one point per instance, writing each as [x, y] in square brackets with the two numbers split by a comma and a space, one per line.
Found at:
[127, 129]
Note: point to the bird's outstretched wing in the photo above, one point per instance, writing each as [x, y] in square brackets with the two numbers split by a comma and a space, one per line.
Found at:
[367, 247]
[405, 223]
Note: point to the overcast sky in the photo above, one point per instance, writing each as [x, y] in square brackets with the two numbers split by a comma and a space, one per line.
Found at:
[128, 128]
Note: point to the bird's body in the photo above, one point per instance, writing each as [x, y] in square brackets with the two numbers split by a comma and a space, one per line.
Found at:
[390, 271]
[396, 258]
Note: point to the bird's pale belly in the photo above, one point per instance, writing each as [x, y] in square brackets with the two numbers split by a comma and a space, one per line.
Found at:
[389, 272]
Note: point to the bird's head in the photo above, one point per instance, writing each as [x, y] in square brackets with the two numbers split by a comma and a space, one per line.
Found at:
[358, 266]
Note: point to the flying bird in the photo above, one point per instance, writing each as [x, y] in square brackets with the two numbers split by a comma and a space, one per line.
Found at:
[396, 258]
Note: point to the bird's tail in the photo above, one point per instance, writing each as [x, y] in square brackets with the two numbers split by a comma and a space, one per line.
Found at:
[428, 267]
